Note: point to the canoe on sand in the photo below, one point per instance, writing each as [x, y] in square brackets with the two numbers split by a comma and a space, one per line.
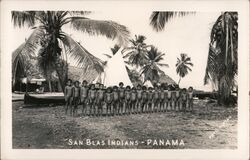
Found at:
[29, 99]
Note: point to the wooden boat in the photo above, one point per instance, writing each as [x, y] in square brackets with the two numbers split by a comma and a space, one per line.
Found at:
[29, 99]
[203, 95]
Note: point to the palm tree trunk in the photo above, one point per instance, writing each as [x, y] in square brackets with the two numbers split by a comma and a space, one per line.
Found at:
[219, 98]
[50, 88]
[26, 90]
[48, 77]
[62, 72]
[20, 85]
[60, 77]
[179, 80]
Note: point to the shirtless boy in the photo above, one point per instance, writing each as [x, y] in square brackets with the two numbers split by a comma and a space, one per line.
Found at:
[139, 99]
[168, 97]
[184, 99]
[173, 100]
[190, 98]
[108, 101]
[162, 99]
[121, 90]
[133, 100]
[150, 100]
[68, 95]
[92, 99]
[100, 99]
[115, 100]
[84, 97]
[144, 99]
[156, 98]
[128, 100]
[178, 100]
[76, 97]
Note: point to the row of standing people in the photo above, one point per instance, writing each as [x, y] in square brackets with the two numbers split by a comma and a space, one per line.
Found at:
[97, 101]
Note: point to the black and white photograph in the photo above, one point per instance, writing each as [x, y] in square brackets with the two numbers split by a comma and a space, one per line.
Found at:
[124, 79]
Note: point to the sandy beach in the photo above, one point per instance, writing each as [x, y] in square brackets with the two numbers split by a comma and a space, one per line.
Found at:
[48, 127]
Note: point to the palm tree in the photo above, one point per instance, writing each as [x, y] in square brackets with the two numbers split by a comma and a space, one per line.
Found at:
[47, 26]
[159, 19]
[183, 66]
[136, 54]
[222, 63]
[151, 70]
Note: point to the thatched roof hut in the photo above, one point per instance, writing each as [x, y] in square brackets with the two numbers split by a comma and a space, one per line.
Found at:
[23, 66]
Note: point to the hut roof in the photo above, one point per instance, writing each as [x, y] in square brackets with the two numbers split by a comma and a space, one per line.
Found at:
[166, 79]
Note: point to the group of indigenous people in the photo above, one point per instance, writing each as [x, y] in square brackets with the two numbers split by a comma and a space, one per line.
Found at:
[96, 100]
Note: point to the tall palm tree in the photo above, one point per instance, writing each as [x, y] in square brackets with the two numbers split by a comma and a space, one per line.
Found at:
[151, 70]
[222, 63]
[183, 66]
[136, 54]
[47, 26]
[158, 19]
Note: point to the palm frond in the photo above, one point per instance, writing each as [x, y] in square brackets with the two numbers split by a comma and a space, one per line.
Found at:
[109, 29]
[115, 49]
[158, 19]
[20, 18]
[140, 38]
[183, 57]
[127, 63]
[188, 68]
[128, 54]
[107, 55]
[159, 57]
[162, 65]
[189, 63]
[126, 49]
[187, 59]
[79, 13]
[81, 56]
[29, 47]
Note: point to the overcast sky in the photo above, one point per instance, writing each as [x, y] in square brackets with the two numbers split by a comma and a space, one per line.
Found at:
[189, 34]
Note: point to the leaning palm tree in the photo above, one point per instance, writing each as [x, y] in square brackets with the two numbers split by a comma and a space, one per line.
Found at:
[158, 19]
[151, 70]
[183, 66]
[47, 27]
[222, 63]
[136, 54]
